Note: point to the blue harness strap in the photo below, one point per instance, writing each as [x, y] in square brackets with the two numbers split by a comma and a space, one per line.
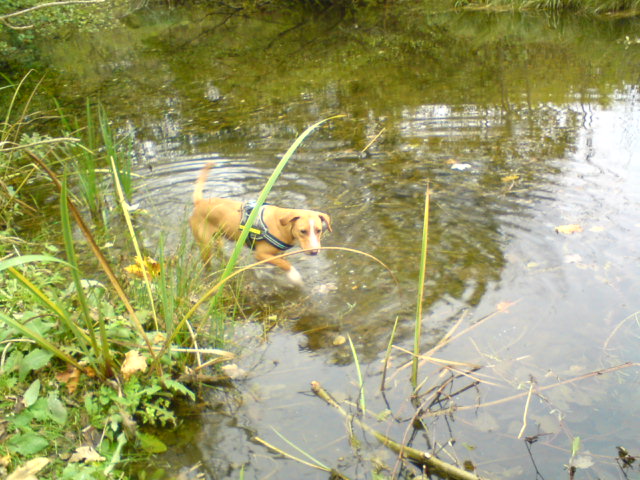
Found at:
[258, 230]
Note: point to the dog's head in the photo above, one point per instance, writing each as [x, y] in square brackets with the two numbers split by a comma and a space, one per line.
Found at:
[307, 227]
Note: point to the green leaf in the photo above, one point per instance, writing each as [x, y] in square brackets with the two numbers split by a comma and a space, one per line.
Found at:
[151, 443]
[178, 387]
[27, 444]
[34, 360]
[31, 395]
[57, 410]
[575, 446]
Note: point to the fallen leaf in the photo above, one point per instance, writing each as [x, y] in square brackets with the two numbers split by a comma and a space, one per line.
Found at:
[150, 265]
[568, 229]
[133, 363]
[339, 340]
[28, 470]
[70, 377]
[503, 307]
[510, 178]
[233, 371]
[572, 258]
[86, 454]
[460, 166]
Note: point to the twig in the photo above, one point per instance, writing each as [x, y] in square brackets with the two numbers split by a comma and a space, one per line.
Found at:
[435, 465]
[547, 387]
[299, 460]
[373, 140]
[526, 411]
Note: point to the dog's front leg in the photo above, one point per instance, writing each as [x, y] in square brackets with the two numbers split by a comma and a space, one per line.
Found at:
[292, 273]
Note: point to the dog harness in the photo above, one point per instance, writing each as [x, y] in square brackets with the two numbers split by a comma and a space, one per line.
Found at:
[258, 230]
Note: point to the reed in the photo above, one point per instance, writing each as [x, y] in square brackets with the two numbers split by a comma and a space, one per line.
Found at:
[417, 332]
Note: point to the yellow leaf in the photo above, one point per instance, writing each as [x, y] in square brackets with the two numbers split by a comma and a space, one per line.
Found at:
[568, 229]
[133, 363]
[339, 340]
[503, 307]
[28, 470]
[150, 265]
[86, 454]
[510, 178]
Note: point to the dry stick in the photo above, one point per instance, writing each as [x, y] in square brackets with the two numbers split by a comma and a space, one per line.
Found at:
[434, 464]
[618, 327]
[526, 411]
[292, 457]
[547, 387]
[373, 140]
[449, 337]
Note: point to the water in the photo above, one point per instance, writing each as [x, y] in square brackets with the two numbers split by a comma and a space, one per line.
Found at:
[518, 124]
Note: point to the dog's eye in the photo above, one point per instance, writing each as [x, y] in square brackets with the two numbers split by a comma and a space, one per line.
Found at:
[304, 231]
[318, 231]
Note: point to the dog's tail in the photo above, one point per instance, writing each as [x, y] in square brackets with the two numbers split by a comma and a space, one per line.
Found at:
[197, 191]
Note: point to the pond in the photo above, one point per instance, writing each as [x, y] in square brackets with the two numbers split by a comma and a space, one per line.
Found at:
[526, 130]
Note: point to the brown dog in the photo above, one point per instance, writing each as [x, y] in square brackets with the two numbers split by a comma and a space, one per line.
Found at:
[275, 229]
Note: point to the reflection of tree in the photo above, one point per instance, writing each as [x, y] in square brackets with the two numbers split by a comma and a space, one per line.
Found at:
[4, 19]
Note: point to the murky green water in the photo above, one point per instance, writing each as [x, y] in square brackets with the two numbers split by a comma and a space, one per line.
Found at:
[519, 124]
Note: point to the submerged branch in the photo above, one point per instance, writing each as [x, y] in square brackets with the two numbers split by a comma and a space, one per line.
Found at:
[435, 465]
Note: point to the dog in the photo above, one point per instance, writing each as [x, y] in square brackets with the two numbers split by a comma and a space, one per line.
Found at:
[274, 230]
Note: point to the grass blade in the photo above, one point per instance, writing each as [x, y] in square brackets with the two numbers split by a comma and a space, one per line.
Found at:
[361, 400]
[21, 260]
[423, 267]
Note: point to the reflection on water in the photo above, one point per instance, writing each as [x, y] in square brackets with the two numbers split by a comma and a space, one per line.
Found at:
[517, 125]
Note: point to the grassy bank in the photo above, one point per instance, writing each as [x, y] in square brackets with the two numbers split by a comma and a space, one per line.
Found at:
[95, 345]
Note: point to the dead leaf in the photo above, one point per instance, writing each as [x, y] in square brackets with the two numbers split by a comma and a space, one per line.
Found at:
[150, 265]
[133, 363]
[460, 166]
[70, 377]
[510, 178]
[503, 307]
[569, 229]
[28, 470]
[233, 371]
[339, 340]
[86, 454]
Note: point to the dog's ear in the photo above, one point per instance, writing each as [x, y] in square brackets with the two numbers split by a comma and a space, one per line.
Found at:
[326, 219]
[288, 218]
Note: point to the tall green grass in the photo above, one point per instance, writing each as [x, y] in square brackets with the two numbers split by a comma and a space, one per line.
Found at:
[417, 337]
